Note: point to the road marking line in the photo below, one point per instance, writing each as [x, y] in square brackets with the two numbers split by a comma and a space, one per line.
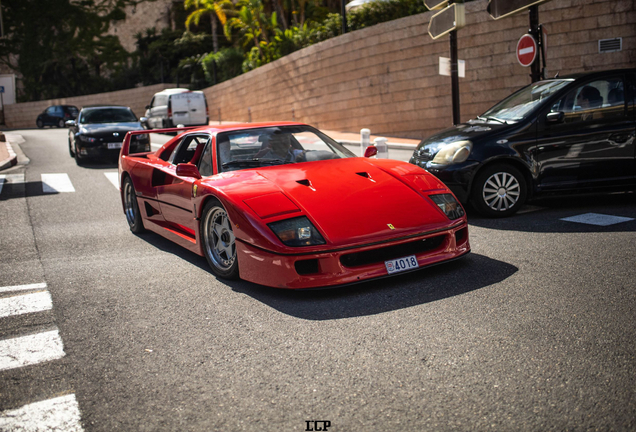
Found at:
[113, 177]
[23, 287]
[31, 349]
[25, 303]
[597, 219]
[60, 413]
[56, 183]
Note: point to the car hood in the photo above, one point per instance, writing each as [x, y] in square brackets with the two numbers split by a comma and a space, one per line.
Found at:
[470, 131]
[100, 128]
[353, 200]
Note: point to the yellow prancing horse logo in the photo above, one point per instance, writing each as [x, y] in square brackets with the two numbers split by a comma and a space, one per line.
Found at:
[194, 191]
[390, 226]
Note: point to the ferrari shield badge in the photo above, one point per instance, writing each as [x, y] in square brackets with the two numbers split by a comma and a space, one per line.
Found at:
[390, 226]
[194, 191]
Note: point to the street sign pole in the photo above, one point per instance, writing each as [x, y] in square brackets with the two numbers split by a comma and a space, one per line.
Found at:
[454, 77]
[535, 31]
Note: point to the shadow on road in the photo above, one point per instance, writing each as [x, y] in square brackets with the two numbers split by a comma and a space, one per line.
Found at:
[544, 215]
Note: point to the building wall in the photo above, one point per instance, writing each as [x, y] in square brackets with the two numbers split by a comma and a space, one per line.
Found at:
[386, 77]
[140, 17]
[23, 115]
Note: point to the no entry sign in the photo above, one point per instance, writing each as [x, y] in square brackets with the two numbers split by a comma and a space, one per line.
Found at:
[526, 50]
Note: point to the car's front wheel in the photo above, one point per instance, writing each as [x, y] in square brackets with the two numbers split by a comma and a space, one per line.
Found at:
[39, 123]
[131, 208]
[219, 243]
[60, 123]
[499, 191]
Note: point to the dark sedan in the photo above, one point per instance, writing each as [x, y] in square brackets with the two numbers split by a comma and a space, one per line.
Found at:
[564, 135]
[56, 115]
[99, 132]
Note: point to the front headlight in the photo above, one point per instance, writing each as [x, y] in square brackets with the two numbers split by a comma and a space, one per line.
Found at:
[87, 139]
[453, 153]
[449, 205]
[297, 232]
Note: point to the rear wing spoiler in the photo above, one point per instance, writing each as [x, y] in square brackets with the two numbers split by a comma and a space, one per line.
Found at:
[125, 147]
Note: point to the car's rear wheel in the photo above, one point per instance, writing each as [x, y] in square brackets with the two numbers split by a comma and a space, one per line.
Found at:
[219, 243]
[131, 207]
[499, 191]
[39, 123]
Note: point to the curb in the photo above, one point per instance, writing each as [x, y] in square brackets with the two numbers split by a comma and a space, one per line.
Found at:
[12, 160]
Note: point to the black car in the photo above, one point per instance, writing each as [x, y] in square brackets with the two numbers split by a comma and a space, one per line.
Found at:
[563, 135]
[56, 115]
[99, 131]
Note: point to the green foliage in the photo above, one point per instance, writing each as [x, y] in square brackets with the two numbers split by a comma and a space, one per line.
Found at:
[229, 63]
[381, 11]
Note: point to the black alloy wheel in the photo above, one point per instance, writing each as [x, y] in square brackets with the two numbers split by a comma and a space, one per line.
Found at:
[131, 207]
[219, 243]
[499, 191]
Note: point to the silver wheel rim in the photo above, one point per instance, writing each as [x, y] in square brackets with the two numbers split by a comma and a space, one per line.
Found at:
[129, 203]
[501, 191]
[219, 240]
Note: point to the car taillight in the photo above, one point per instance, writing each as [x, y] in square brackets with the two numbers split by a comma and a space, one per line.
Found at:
[169, 109]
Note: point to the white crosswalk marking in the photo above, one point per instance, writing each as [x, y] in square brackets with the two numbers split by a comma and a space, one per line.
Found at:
[58, 414]
[597, 219]
[29, 350]
[25, 303]
[56, 183]
[23, 287]
[113, 177]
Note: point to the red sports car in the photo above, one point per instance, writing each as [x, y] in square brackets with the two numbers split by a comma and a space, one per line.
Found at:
[284, 205]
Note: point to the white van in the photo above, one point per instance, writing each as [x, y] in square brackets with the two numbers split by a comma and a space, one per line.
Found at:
[177, 106]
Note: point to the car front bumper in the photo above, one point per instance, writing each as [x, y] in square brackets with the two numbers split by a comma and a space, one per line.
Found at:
[457, 177]
[348, 266]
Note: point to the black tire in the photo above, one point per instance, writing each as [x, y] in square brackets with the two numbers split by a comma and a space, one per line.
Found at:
[131, 207]
[218, 241]
[499, 191]
[39, 123]
[78, 159]
[61, 124]
[70, 148]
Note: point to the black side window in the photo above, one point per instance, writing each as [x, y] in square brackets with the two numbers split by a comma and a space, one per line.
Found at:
[184, 152]
[602, 99]
[205, 164]
[50, 110]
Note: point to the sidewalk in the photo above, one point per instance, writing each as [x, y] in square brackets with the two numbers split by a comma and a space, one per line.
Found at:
[8, 158]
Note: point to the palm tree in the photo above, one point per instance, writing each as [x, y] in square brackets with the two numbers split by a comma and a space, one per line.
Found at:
[217, 9]
[251, 22]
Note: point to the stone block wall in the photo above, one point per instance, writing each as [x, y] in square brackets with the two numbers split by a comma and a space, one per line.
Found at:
[23, 115]
[386, 77]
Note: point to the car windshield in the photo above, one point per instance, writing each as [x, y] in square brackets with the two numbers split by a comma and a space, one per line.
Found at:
[275, 146]
[107, 115]
[520, 104]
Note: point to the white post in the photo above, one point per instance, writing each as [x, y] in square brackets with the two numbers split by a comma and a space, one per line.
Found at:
[383, 148]
[365, 140]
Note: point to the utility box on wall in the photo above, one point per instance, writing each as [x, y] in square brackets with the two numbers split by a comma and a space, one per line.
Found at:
[7, 83]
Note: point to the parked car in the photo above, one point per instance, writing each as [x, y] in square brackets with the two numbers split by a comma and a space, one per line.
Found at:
[283, 205]
[178, 106]
[99, 131]
[563, 135]
[56, 115]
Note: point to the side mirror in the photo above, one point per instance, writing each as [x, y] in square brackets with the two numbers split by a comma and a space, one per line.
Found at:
[370, 151]
[143, 121]
[70, 123]
[188, 170]
[555, 117]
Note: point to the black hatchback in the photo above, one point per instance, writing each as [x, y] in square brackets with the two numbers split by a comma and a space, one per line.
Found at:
[56, 115]
[563, 135]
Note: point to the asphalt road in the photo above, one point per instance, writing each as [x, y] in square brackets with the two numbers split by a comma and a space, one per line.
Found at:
[534, 330]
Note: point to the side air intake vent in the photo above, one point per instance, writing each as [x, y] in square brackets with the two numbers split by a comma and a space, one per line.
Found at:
[610, 45]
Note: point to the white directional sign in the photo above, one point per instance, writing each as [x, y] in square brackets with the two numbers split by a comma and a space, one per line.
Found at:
[447, 20]
[502, 8]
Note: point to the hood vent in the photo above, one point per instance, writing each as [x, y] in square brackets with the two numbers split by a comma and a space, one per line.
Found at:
[307, 183]
[365, 175]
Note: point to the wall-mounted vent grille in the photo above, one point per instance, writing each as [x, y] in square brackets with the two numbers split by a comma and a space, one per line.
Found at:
[610, 45]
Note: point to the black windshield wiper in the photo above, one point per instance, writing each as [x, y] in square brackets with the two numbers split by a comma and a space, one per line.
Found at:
[252, 162]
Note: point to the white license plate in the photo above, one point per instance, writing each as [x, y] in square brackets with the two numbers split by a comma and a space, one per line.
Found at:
[401, 264]
[114, 145]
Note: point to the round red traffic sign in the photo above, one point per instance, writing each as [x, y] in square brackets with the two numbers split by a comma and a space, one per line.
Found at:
[526, 50]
